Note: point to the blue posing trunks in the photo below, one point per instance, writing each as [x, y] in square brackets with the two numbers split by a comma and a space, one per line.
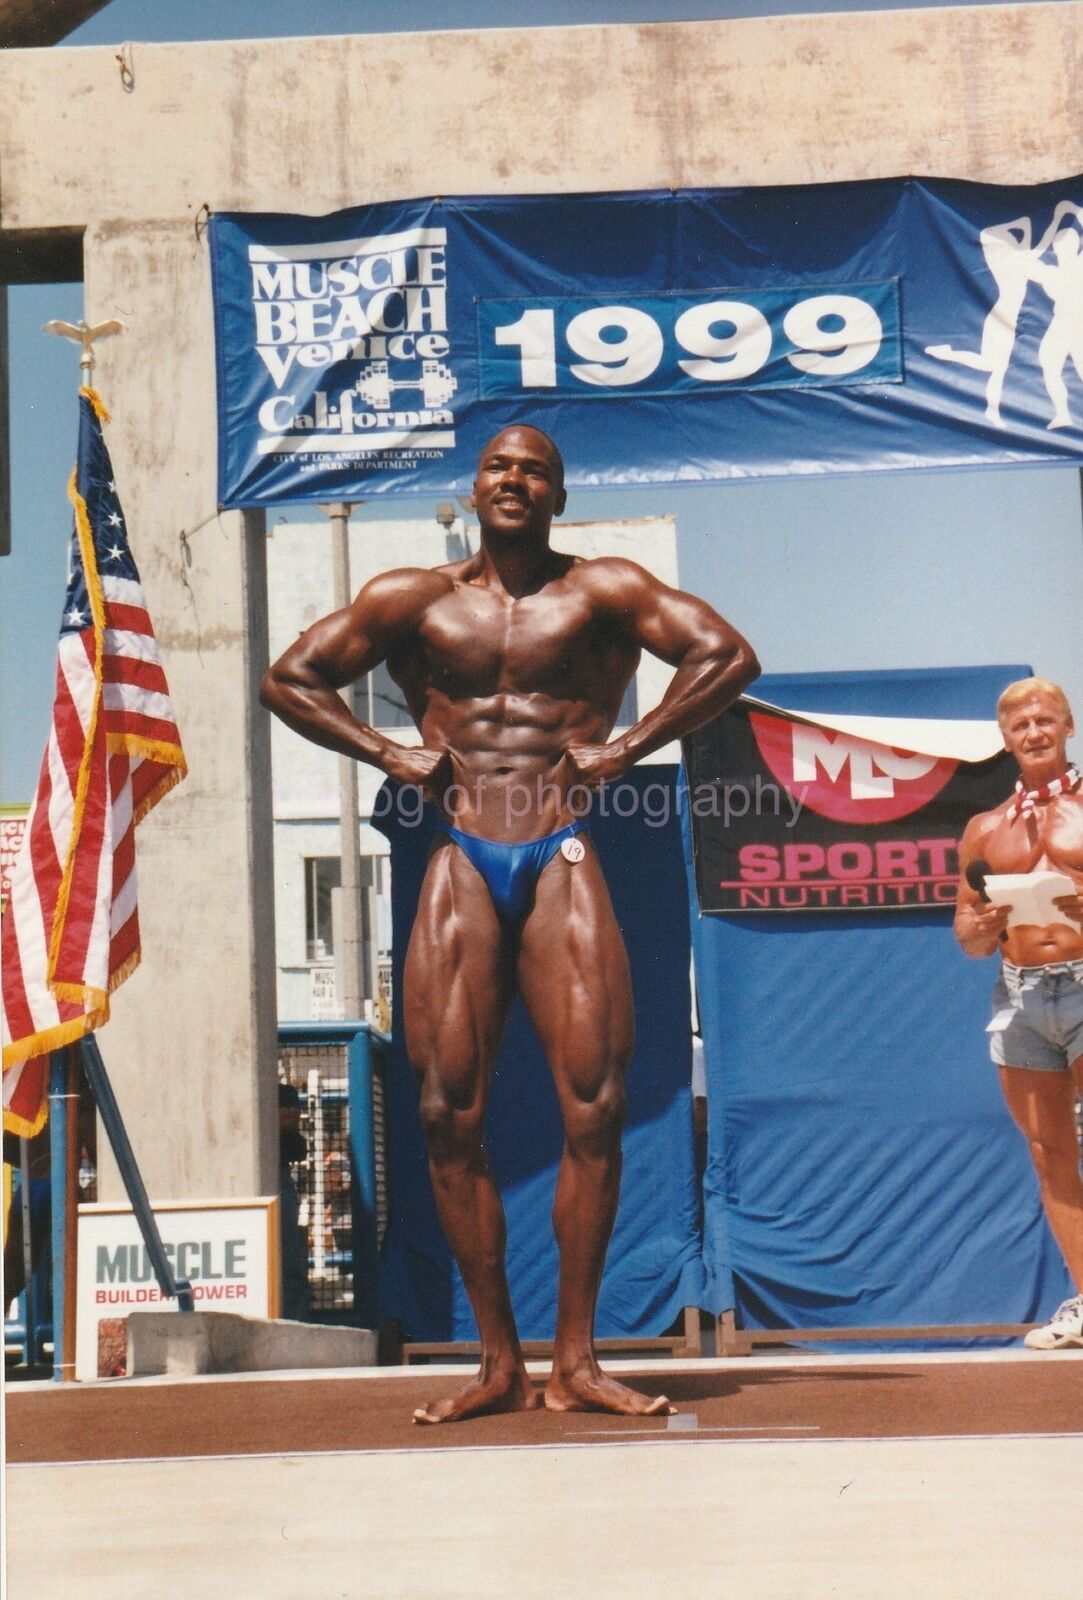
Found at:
[510, 871]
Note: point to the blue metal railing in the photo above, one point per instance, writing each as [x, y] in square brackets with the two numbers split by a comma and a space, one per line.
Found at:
[364, 1047]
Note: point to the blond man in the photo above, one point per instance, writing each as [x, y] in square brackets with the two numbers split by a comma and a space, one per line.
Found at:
[1037, 1029]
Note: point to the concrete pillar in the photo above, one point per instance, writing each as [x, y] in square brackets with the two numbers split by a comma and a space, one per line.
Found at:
[191, 1043]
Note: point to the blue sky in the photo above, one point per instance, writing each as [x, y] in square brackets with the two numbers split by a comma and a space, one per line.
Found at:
[200, 19]
[797, 565]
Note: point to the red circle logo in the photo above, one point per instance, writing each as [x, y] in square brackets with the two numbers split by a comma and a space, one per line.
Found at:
[846, 778]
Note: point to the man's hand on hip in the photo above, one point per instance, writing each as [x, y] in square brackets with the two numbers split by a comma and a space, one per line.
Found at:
[424, 768]
[595, 764]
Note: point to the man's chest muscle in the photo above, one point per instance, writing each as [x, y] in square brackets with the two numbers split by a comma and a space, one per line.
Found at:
[1052, 836]
[472, 643]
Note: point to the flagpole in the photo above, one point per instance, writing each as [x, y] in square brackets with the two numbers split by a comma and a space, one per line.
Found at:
[73, 1083]
[30, 1308]
[172, 1288]
[63, 1147]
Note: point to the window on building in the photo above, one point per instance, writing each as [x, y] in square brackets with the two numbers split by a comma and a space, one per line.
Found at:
[629, 706]
[322, 874]
[380, 702]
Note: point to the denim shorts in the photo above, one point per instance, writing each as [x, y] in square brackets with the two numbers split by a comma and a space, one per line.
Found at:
[1042, 1012]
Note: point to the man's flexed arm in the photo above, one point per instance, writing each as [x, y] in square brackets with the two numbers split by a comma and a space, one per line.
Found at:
[302, 685]
[714, 664]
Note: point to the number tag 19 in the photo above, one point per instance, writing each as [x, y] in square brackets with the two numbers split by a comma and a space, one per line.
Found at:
[692, 344]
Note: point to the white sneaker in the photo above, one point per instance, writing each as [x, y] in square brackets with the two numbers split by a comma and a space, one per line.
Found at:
[1064, 1330]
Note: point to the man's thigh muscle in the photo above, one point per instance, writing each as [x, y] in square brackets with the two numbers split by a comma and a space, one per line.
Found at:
[1042, 1105]
[574, 979]
[457, 983]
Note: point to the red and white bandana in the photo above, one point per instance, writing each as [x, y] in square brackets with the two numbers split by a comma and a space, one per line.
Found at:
[1026, 800]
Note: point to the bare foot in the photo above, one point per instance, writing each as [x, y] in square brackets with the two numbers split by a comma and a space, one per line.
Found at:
[483, 1396]
[590, 1389]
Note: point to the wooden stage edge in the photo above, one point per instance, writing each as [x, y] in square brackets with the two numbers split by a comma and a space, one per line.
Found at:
[731, 1340]
[734, 1341]
[687, 1345]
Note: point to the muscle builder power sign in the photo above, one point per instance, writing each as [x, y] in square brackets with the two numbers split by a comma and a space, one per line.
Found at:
[226, 1249]
[791, 814]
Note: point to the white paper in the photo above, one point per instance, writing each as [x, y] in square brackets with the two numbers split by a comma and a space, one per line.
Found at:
[1031, 896]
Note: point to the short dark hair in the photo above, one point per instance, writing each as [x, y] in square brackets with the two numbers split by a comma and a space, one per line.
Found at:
[288, 1095]
[554, 447]
[533, 428]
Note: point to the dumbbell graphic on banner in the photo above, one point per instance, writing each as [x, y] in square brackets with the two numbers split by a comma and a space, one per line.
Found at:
[437, 384]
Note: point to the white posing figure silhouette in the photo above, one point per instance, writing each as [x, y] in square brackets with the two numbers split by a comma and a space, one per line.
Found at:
[1063, 339]
[1013, 264]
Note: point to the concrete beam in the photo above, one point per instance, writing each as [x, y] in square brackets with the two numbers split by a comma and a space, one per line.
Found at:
[986, 93]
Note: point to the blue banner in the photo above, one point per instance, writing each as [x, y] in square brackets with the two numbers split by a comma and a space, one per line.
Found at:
[659, 337]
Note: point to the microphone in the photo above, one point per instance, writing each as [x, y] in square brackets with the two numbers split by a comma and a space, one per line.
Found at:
[976, 873]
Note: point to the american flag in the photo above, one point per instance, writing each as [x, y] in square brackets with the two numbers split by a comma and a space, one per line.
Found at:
[70, 931]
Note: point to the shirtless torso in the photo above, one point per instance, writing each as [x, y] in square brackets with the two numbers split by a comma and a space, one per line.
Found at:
[507, 685]
[1036, 1033]
[1050, 839]
[514, 664]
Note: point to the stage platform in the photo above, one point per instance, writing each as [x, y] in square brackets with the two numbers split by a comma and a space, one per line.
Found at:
[768, 1397]
[791, 1475]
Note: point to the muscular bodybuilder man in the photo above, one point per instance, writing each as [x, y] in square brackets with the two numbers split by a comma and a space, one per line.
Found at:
[1037, 1029]
[514, 663]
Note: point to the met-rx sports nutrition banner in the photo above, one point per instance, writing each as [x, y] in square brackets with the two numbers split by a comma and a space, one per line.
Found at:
[792, 814]
[662, 337]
